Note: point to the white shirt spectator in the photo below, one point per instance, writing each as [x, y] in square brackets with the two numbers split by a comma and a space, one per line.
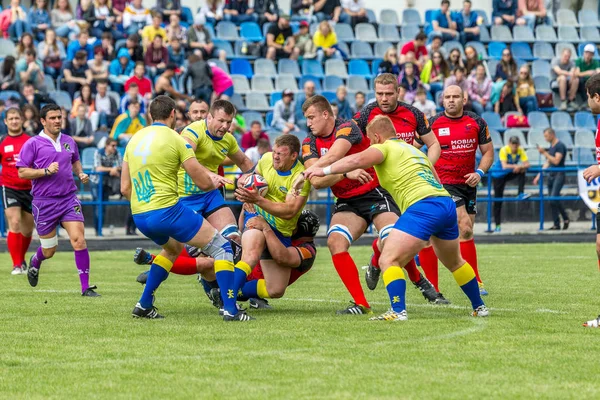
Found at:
[353, 6]
[253, 154]
[428, 108]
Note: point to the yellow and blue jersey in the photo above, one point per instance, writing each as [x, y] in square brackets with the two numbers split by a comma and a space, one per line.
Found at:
[406, 173]
[154, 156]
[210, 152]
[280, 185]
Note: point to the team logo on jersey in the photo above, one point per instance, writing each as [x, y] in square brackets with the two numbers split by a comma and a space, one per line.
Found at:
[77, 209]
[67, 146]
[323, 152]
[9, 148]
[283, 189]
[224, 151]
[444, 132]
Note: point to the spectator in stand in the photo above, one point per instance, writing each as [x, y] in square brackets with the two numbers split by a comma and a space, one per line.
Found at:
[458, 78]
[120, 70]
[202, 77]
[506, 102]
[3, 127]
[436, 45]
[8, 75]
[443, 25]
[106, 106]
[181, 120]
[344, 109]
[212, 11]
[305, 47]
[567, 80]
[133, 94]
[31, 124]
[334, 109]
[525, 92]
[356, 10]
[410, 80]
[199, 40]
[63, 20]
[140, 79]
[118, 8]
[308, 92]
[238, 11]
[251, 138]
[359, 101]
[136, 52]
[256, 152]
[81, 44]
[98, 65]
[76, 73]
[86, 98]
[164, 86]
[52, 53]
[176, 53]
[18, 20]
[65, 125]
[153, 30]
[435, 73]
[30, 70]
[107, 45]
[25, 43]
[284, 119]
[280, 39]
[267, 11]
[33, 98]
[168, 8]
[105, 19]
[532, 13]
[302, 10]
[222, 83]
[504, 12]
[472, 59]
[136, 17]
[81, 128]
[455, 60]
[506, 69]
[330, 10]
[390, 63]
[512, 164]
[39, 19]
[585, 67]
[423, 104]
[417, 48]
[157, 57]
[85, 14]
[555, 158]
[325, 41]
[480, 90]
[128, 124]
[175, 29]
[467, 24]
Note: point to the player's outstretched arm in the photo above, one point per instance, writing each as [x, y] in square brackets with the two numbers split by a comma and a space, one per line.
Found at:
[287, 257]
[338, 150]
[202, 177]
[125, 181]
[286, 210]
[363, 160]
[240, 159]
[319, 182]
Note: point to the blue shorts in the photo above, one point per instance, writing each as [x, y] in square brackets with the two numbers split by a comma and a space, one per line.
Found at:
[178, 222]
[204, 203]
[433, 216]
[285, 240]
[228, 91]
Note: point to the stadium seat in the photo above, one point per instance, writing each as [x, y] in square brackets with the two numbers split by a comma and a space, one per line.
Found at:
[312, 67]
[587, 18]
[366, 32]
[240, 52]
[332, 82]
[301, 135]
[275, 97]
[583, 156]
[484, 17]
[545, 33]
[565, 137]
[227, 31]
[262, 84]
[389, 32]
[523, 33]
[542, 83]
[238, 102]
[493, 120]
[344, 32]
[359, 67]
[568, 34]
[513, 132]
[265, 67]
[535, 158]
[225, 46]
[581, 46]
[361, 50]
[495, 49]
[561, 120]
[480, 48]
[389, 16]
[381, 48]
[87, 158]
[269, 118]
[538, 119]
[250, 116]
[566, 17]
[241, 67]
[240, 84]
[250, 31]
[330, 96]
[8, 94]
[535, 137]
[315, 79]
[51, 86]
[222, 65]
[496, 139]
[430, 15]
[357, 83]
[313, 28]
[7, 48]
[375, 66]
[61, 98]
[411, 16]
[265, 29]
[336, 67]
[585, 138]
[453, 44]
[521, 50]
[501, 33]
[286, 81]
[560, 46]
[287, 66]
[371, 16]
[410, 31]
[540, 68]
[257, 102]
[543, 50]
[585, 120]
[343, 47]
[484, 34]
[492, 64]
[590, 34]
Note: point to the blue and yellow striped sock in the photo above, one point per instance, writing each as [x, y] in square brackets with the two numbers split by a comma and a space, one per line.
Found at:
[465, 277]
[224, 273]
[393, 279]
[255, 288]
[241, 272]
[159, 271]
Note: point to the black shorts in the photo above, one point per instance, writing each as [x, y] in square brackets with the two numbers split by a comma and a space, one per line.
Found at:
[464, 195]
[16, 198]
[368, 205]
[598, 222]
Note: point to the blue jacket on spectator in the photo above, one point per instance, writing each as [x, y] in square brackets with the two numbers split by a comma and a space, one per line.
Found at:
[344, 109]
[74, 47]
[116, 68]
[37, 16]
[462, 23]
[178, 58]
[504, 7]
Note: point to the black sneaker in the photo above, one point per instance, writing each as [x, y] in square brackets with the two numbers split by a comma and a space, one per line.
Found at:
[240, 316]
[427, 289]
[259, 304]
[33, 275]
[441, 299]
[566, 225]
[89, 292]
[150, 313]
[142, 257]
[143, 277]
[215, 296]
[372, 276]
[354, 309]
[24, 267]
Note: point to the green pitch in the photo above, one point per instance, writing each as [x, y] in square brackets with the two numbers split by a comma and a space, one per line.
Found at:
[56, 344]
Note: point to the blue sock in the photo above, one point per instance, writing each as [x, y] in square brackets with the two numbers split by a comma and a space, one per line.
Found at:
[395, 284]
[225, 276]
[241, 272]
[156, 276]
[465, 277]
[250, 289]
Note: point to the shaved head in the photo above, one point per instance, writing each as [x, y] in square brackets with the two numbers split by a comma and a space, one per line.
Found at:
[454, 101]
[380, 129]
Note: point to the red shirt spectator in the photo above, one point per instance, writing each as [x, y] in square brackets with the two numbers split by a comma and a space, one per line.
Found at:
[417, 47]
[250, 138]
[144, 83]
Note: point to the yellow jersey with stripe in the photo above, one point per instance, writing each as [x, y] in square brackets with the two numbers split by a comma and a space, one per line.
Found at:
[154, 156]
[406, 173]
[280, 184]
[210, 152]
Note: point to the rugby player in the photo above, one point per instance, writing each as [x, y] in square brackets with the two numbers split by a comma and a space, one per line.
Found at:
[460, 133]
[428, 213]
[149, 181]
[410, 123]
[198, 110]
[360, 202]
[50, 160]
[16, 192]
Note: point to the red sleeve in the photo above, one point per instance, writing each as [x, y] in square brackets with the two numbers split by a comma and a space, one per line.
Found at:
[407, 48]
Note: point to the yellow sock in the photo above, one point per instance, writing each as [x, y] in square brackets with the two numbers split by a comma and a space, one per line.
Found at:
[163, 262]
[261, 289]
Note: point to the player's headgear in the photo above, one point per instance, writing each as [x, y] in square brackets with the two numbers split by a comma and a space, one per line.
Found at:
[307, 225]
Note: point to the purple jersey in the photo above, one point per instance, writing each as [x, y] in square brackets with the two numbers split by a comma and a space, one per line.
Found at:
[41, 151]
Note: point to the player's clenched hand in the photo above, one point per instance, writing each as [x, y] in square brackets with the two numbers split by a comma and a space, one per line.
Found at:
[472, 179]
[314, 172]
[257, 222]
[53, 168]
[360, 175]
[591, 173]
[298, 184]
[219, 181]
[247, 196]
[84, 178]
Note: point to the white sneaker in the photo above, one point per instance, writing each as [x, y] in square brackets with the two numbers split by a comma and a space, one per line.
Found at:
[17, 271]
[481, 311]
[392, 316]
[593, 323]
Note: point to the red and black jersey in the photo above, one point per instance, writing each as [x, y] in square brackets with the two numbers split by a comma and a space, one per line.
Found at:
[408, 120]
[315, 147]
[459, 139]
[10, 148]
[598, 143]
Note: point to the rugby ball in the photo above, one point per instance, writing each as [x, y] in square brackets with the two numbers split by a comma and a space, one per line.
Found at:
[258, 182]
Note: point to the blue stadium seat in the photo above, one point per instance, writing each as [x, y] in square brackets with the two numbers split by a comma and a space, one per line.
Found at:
[565, 137]
[535, 137]
[480, 48]
[50, 85]
[336, 67]
[344, 32]
[389, 32]
[496, 139]
[62, 98]
[287, 66]
[366, 32]
[430, 15]
[582, 45]
[371, 16]
[484, 34]
[493, 120]
[359, 67]
[542, 83]
[316, 80]
[484, 16]
[251, 31]
[225, 46]
[227, 31]
[521, 50]
[262, 84]
[275, 97]
[538, 119]
[587, 18]
[8, 94]
[344, 49]
[534, 157]
[381, 48]
[238, 102]
[585, 138]
[523, 33]
[514, 132]
[540, 68]
[568, 34]
[561, 120]
[583, 156]
[495, 49]
[566, 17]
[221, 64]
[411, 16]
[585, 120]
[543, 50]
[545, 33]
[269, 118]
[332, 82]
[240, 84]
[330, 96]
[241, 67]
[312, 67]
[410, 31]
[501, 33]
[454, 44]
[361, 50]
[389, 16]
[265, 29]
[357, 83]
[375, 66]
[251, 116]
[286, 81]
[590, 34]
[87, 157]
[187, 16]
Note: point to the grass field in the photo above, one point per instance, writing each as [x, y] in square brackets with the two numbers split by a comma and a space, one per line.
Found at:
[56, 344]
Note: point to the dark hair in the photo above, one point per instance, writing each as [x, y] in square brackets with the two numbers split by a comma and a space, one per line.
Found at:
[81, 54]
[255, 123]
[446, 2]
[421, 36]
[224, 105]
[140, 63]
[30, 52]
[460, 69]
[421, 90]
[199, 101]
[47, 108]
[33, 110]
[403, 86]
[550, 131]
[359, 92]
[592, 86]
[171, 66]
[133, 85]
[134, 38]
[444, 69]
[110, 141]
[162, 107]
[107, 35]
[509, 67]
[290, 141]
[319, 102]
[8, 66]
[467, 1]
[514, 140]
[90, 99]
[104, 81]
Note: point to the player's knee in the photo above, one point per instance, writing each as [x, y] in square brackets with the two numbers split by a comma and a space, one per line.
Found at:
[339, 239]
[14, 224]
[384, 233]
[78, 242]
[231, 232]
[276, 291]
[219, 248]
[466, 229]
[49, 253]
